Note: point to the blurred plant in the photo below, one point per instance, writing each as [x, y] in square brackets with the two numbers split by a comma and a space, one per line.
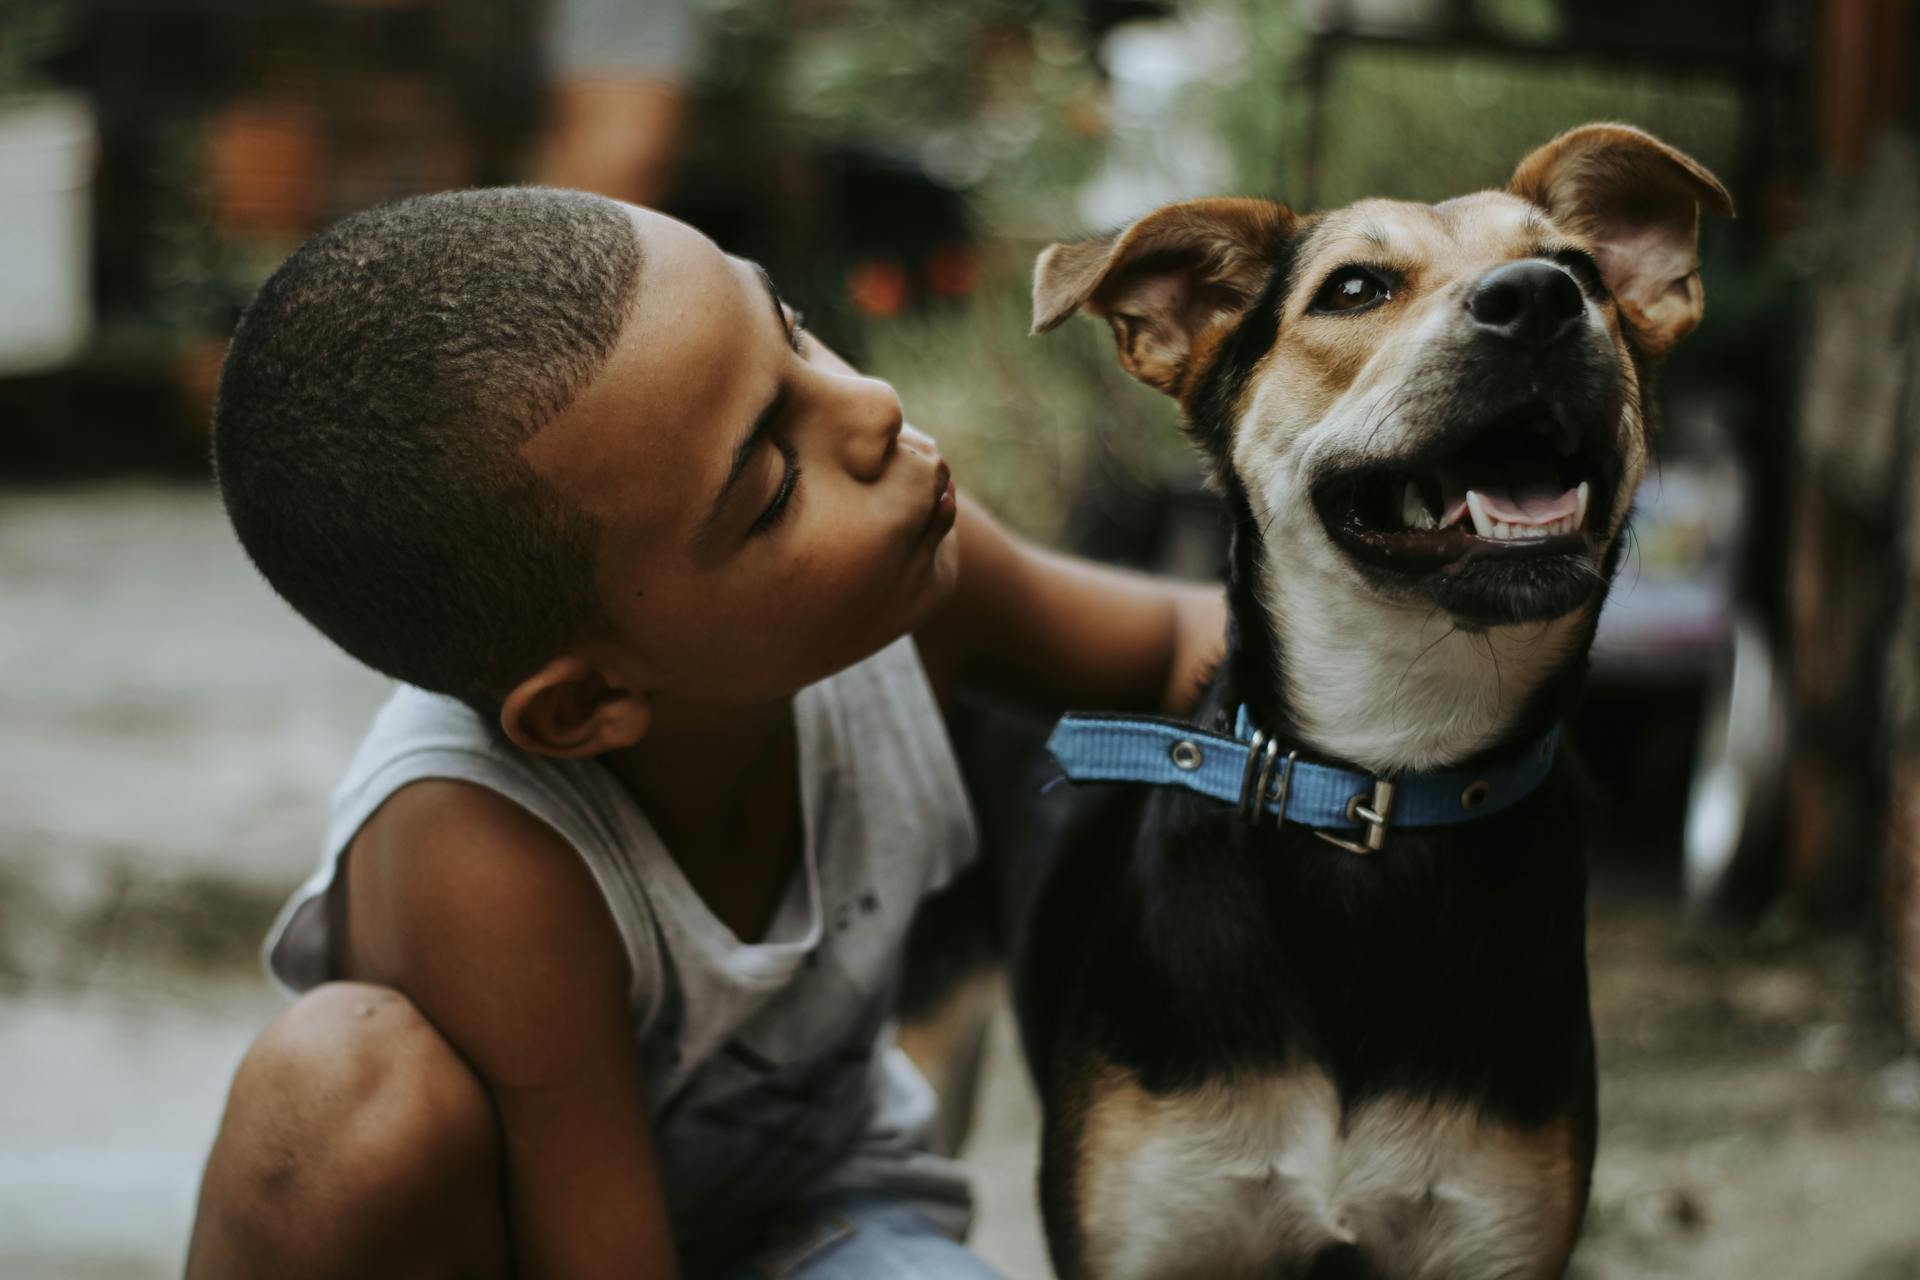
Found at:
[996, 97]
[745, 75]
[1022, 418]
[1427, 125]
[200, 276]
[1523, 20]
[31, 31]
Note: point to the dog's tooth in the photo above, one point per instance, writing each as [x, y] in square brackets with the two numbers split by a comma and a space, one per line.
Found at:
[1413, 508]
[1477, 508]
[1580, 506]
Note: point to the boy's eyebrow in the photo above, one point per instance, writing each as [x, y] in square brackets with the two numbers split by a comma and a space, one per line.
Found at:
[773, 296]
[762, 423]
[742, 455]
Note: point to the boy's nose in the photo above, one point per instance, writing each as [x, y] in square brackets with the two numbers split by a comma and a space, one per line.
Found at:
[874, 430]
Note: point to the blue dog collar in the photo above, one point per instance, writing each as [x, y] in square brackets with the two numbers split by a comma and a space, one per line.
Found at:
[1249, 770]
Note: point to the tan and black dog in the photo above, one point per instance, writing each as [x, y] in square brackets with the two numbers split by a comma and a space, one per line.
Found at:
[1260, 1053]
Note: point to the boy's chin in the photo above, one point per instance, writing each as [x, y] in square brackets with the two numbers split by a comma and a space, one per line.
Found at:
[942, 576]
[946, 566]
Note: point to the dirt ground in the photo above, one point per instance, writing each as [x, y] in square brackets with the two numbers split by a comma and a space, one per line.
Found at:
[1757, 1119]
[168, 733]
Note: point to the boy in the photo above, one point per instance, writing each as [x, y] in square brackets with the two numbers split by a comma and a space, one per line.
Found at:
[600, 962]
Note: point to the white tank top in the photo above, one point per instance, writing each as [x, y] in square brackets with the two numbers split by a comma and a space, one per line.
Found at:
[770, 1067]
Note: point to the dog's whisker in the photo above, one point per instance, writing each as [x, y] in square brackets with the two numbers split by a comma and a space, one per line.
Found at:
[1429, 648]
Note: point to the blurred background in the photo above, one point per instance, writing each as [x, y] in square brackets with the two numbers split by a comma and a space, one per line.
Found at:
[169, 731]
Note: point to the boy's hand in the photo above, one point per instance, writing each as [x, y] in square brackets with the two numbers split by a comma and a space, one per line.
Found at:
[1055, 632]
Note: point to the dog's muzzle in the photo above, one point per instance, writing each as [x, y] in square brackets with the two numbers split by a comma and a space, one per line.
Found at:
[1522, 487]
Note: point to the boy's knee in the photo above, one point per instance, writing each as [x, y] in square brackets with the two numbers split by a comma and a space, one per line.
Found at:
[351, 1125]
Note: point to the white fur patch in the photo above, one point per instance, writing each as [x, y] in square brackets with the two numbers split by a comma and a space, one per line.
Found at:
[1244, 1178]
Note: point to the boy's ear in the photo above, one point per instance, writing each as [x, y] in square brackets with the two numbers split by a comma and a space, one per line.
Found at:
[1638, 201]
[570, 709]
[1170, 285]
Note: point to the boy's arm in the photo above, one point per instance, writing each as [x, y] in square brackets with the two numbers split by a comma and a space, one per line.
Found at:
[491, 924]
[1055, 632]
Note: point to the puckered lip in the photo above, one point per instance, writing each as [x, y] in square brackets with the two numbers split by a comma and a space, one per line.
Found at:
[940, 517]
[1528, 484]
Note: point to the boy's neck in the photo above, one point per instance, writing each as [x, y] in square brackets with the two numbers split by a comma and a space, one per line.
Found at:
[720, 788]
[699, 768]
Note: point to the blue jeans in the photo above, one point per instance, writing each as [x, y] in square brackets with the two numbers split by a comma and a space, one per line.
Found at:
[859, 1235]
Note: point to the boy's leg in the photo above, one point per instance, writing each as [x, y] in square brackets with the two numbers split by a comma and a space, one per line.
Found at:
[356, 1142]
[863, 1236]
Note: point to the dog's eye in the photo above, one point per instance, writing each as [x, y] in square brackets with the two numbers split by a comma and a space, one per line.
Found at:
[1584, 269]
[1350, 289]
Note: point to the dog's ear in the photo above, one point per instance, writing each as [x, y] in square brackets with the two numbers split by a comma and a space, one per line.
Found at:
[1169, 285]
[1638, 201]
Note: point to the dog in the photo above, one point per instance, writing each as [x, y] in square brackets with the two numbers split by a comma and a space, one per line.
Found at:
[1357, 1044]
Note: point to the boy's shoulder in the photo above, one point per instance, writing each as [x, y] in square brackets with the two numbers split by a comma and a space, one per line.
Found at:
[445, 868]
[452, 842]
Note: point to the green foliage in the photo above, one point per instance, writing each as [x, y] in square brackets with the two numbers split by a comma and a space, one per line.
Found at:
[996, 97]
[1019, 416]
[200, 278]
[1419, 125]
[883, 66]
[31, 31]
[1424, 128]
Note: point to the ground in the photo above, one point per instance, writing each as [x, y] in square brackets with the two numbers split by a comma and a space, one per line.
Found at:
[168, 734]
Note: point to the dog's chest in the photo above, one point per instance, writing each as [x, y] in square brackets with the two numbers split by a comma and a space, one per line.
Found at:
[1259, 1177]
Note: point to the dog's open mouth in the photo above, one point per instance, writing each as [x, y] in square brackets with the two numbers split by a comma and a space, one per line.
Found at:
[1522, 488]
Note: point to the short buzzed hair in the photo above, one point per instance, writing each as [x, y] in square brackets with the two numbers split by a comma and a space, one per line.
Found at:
[368, 430]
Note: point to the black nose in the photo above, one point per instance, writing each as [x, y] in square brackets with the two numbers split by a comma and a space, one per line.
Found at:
[1533, 303]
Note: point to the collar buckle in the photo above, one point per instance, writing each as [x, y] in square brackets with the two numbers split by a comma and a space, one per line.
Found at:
[1257, 778]
[1374, 816]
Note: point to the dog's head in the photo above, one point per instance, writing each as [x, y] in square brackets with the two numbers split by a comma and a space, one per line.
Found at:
[1435, 410]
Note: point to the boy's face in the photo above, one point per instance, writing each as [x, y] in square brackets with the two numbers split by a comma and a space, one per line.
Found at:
[767, 519]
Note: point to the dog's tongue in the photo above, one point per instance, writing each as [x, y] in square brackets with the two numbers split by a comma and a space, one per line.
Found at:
[1526, 493]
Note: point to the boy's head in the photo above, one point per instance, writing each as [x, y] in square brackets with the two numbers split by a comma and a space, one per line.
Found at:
[565, 460]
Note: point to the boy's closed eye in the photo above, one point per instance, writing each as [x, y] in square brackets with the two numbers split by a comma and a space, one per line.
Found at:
[790, 326]
[783, 497]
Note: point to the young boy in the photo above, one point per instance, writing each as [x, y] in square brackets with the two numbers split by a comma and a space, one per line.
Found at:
[600, 962]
